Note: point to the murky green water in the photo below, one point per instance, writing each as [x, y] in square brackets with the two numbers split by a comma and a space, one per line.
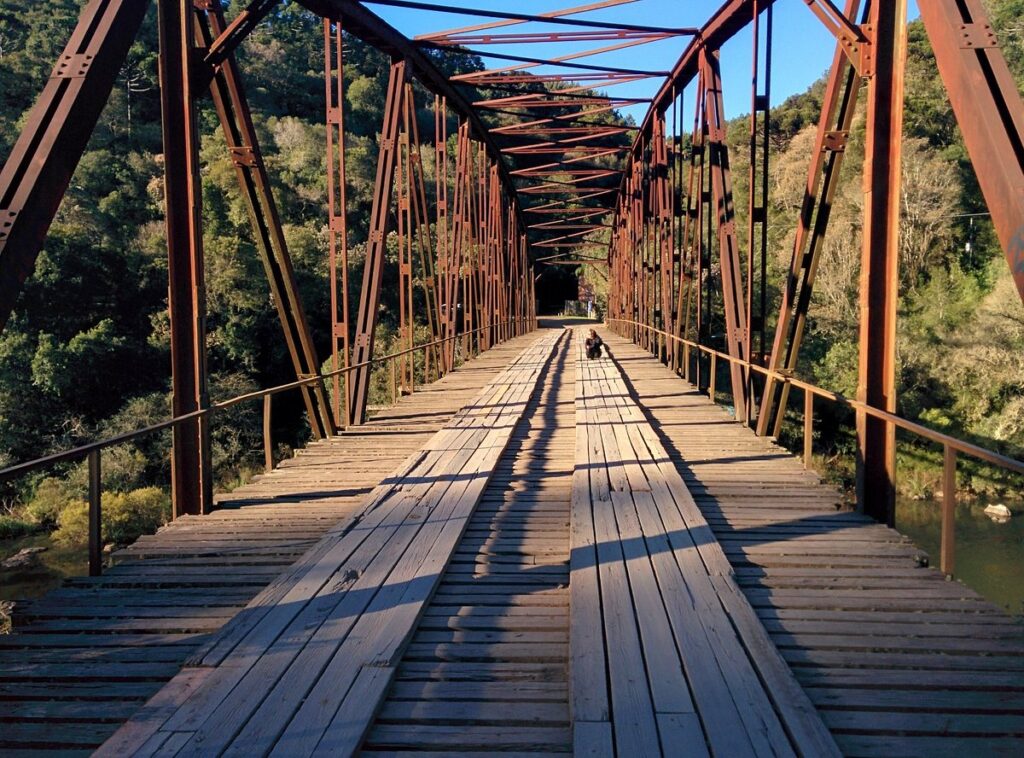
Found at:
[989, 556]
[46, 573]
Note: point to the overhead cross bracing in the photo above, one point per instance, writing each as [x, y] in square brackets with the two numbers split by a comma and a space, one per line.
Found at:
[570, 82]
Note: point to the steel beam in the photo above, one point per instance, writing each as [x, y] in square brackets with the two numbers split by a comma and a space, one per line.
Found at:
[879, 282]
[373, 268]
[191, 471]
[240, 134]
[337, 212]
[38, 170]
[989, 110]
[729, 257]
[838, 107]
[363, 23]
[757, 207]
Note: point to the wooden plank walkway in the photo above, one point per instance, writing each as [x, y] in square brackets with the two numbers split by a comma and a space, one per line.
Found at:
[897, 660]
[89, 654]
[486, 670]
[590, 557]
[689, 670]
[304, 668]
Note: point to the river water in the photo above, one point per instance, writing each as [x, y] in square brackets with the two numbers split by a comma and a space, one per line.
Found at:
[989, 555]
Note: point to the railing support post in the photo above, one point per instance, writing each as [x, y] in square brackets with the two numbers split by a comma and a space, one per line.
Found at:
[947, 548]
[268, 442]
[394, 381]
[713, 373]
[808, 427]
[95, 515]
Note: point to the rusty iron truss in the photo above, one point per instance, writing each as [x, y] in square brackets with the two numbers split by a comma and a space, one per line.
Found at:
[538, 162]
[677, 272]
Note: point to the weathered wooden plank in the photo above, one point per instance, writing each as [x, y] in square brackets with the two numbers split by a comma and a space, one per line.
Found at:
[369, 575]
[856, 616]
[642, 482]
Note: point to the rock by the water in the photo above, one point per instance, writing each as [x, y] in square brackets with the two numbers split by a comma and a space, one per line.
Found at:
[998, 512]
[22, 558]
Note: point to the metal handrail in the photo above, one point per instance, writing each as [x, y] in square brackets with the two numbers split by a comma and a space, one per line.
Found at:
[950, 445]
[91, 450]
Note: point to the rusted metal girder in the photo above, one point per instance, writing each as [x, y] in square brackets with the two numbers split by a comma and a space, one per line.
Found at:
[406, 309]
[879, 281]
[236, 122]
[661, 196]
[366, 25]
[191, 471]
[757, 206]
[38, 170]
[547, 19]
[729, 257]
[527, 38]
[421, 221]
[373, 268]
[838, 107]
[512, 22]
[452, 252]
[989, 111]
[563, 61]
[337, 216]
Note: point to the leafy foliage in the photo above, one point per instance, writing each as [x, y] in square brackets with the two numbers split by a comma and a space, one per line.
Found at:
[126, 516]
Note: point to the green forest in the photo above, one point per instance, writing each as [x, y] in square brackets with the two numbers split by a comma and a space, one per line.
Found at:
[86, 354]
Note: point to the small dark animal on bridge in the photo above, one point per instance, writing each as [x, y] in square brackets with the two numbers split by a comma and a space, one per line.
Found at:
[593, 345]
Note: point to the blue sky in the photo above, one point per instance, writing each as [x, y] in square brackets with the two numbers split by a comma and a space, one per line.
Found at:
[803, 48]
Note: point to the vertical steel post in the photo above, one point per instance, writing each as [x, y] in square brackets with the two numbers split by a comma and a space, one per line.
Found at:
[373, 271]
[428, 267]
[879, 282]
[191, 475]
[403, 182]
[757, 207]
[729, 257]
[268, 437]
[808, 427]
[337, 224]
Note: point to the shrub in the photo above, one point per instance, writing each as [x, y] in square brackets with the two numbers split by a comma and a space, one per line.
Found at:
[12, 528]
[51, 497]
[126, 516]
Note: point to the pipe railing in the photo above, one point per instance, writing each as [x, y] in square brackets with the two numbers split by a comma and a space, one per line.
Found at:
[951, 446]
[91, 451]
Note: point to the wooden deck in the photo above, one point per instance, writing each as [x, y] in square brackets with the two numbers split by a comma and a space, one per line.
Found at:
[897, 660]
[486, 670]
[590, 557]
[86, 656]
[303, 669]
[689, 668]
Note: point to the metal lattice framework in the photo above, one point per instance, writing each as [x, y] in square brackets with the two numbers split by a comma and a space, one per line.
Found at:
[542, 174]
